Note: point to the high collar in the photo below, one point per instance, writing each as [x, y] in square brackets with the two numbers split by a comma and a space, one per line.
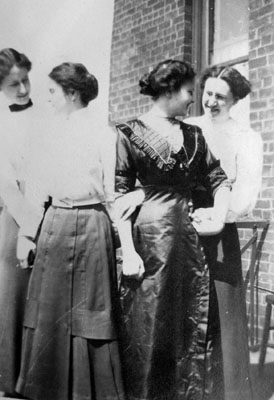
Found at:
[20, 107]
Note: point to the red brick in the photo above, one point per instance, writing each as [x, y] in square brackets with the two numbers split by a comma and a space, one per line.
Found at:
[269, 159]
[253, 54]
[252, 34]
[266, 40]
[267, 215]
[266, 114]
[269, 125]
[267, 136]
[259, 62]
[254, 116]
[258, 104]
[268, 81]
[271, 59]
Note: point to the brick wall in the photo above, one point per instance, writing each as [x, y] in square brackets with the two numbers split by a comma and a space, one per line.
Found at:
[261, 69]
[144, 33]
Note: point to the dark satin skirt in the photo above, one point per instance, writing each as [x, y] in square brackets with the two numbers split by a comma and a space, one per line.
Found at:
[70, 348]
[230, 376]
[13, 292]
[165, 316]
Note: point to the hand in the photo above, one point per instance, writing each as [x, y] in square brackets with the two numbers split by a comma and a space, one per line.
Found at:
[126, 204]
[206, 223]
[24, 246]
[202, 214]
[208, 227]
[133, 265]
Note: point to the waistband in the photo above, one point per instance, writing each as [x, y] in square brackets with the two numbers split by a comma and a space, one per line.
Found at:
[74, 203]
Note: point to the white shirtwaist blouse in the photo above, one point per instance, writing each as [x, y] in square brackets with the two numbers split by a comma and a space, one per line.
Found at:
[75, 163]
[239, 150]
[14, 158]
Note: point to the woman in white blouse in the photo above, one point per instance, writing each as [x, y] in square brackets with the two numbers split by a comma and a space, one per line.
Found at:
[70, 345]
[17, 212]
[240, 152]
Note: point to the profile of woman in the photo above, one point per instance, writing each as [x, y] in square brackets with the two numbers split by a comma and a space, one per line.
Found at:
[16, 214]
[70, 348]
[240, 152]
[165, 286]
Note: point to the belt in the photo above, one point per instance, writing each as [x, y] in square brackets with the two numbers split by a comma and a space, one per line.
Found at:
[68, 203]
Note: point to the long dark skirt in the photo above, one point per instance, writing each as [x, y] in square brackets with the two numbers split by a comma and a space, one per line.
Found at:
[165, 315]
[13, 292]
[227, 320]
[70, 348]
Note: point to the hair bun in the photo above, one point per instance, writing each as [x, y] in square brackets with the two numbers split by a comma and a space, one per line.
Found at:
[145, 85]
[168, 76]
[244, 87]
[75, 76]
[92, 84]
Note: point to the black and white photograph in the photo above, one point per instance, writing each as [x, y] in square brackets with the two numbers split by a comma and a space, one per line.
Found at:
[137, 199]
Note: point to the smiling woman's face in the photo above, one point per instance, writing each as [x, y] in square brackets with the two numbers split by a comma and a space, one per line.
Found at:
[16, 86]
[217, 98]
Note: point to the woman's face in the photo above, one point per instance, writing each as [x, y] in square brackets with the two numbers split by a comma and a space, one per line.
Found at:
[57, 97]
[182, 99]
[16, 86]
[217, 98]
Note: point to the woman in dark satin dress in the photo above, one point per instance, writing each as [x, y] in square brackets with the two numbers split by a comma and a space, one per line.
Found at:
[165, 286]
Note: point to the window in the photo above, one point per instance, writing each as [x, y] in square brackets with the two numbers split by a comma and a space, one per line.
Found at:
[230, 38]
[220, 36]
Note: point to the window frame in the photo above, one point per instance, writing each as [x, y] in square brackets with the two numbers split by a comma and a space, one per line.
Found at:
[202, 44]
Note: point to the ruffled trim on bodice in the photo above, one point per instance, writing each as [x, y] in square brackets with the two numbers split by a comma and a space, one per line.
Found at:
[157, 147]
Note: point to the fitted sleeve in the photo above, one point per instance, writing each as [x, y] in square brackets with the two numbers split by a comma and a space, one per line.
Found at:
[108, 159]
[249, 161]
[27, 216]
[125, 172]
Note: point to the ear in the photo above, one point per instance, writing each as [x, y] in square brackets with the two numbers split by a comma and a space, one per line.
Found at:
[235, 100]
[73, 96]
[168, 94]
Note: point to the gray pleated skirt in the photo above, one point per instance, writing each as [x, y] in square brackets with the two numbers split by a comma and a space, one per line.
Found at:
[70, 347]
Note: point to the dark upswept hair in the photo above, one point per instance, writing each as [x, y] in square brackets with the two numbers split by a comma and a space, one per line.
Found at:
[10, 57]
[74, 76]
[168, 76]
[240, 87]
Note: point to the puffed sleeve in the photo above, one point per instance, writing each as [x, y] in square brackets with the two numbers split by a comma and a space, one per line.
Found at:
[125, 173]
[212, 176]
[249, 162]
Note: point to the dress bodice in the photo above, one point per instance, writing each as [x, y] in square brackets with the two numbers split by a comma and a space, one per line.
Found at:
[145, 155]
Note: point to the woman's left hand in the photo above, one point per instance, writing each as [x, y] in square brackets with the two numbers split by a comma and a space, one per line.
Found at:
[24, 246]
[133, 265]
[206, 223]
